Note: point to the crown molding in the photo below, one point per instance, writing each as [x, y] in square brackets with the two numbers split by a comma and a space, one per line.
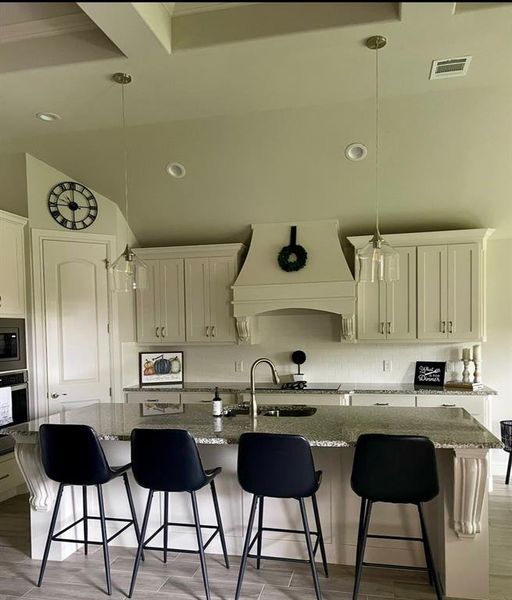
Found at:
[27, 30]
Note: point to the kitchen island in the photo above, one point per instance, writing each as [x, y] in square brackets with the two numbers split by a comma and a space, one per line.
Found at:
[458, 518]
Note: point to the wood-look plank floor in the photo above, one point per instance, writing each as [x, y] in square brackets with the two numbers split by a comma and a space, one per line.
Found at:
[81, 577]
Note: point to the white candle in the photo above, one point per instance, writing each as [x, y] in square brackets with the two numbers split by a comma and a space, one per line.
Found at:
[477, 352]
[466, 354]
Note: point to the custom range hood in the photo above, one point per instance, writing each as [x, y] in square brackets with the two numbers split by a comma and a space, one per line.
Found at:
[325, 283]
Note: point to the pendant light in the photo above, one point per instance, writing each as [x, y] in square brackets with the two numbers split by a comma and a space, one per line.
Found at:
[378, 260]
[128, 271]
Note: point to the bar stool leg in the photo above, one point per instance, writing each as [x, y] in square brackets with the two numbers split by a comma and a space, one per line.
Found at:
[428, 551]
[50, 534]
[320, 534]
[141, 543]
[132, 508]
[106, 558]
[219, 523]
[362, 514]
[430, 567]
[243, 562]
[507, 478]
[86, 522]
[310, 548]
[363, 533]
[199, 535]
[166, 526]
[260, 533]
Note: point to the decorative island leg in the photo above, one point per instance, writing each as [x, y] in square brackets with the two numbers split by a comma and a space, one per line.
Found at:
[470, 487]
[42, 490]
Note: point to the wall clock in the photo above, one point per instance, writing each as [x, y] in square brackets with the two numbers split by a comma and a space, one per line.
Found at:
[72, 205]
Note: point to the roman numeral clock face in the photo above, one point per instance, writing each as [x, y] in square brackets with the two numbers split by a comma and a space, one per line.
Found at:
[72, 205]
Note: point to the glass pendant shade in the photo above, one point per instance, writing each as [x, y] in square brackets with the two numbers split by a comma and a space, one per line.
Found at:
[129, 272]
[378, 261]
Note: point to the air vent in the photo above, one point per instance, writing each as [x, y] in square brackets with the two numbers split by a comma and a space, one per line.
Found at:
[450, 67]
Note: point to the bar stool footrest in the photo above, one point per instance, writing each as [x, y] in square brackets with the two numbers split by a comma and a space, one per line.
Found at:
[56, 537]
[184, 550]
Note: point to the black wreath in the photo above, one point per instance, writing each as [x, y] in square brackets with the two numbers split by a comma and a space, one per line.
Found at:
[292, 258]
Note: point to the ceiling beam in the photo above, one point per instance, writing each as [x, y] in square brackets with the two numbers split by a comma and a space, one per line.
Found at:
[139, 29]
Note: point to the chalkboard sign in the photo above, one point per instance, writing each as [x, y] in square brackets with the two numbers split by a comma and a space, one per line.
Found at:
[430, 374]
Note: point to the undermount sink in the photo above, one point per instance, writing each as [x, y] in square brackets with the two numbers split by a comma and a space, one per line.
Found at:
[273, 411]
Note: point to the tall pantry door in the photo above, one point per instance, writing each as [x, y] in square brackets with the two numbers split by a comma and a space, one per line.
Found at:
[76, 317]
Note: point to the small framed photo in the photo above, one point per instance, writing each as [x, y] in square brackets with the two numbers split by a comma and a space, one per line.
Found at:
[160, 368]
[429, 373]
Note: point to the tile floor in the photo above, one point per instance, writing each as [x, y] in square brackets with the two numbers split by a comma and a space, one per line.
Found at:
[82, 577]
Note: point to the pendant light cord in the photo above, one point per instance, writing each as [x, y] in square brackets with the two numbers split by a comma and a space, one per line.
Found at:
[125, 152]
[377, 140]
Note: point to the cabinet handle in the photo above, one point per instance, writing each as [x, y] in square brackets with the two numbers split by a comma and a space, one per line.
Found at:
[443, 326]
[213, 330]
[163, 332]
[382, 327]
[156, 332]
[207, 331]
[450, 326]
[381, 403]
[448, 405]
[5, 476]
[389, 327]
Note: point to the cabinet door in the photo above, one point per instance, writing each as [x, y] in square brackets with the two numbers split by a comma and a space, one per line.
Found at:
[12, 270]
[432, 293]
[371, 311]
[464, 285]
[222, 275]
[383, 400]
[197, 298]
[148, 306]
[401, 299]
[172, 300]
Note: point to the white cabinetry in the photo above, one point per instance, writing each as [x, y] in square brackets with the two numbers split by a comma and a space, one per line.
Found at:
[12, 265]
[450, 294]
[388, 310]
[440, 295]
[188, 298]
[383, 400]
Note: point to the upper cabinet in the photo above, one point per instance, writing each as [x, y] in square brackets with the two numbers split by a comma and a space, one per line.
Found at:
[440, 295]
[188, 298]
[12, 265]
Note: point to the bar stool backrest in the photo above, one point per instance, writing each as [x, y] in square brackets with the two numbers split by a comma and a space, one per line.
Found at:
[166, 460]
[276, 465]
[72, 454]
[395, 468]
[506, 434]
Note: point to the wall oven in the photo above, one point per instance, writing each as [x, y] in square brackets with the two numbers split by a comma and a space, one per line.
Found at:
[13, 405]
[13, 355]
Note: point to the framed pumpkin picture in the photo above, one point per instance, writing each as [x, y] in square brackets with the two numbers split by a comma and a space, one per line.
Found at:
[160, 368]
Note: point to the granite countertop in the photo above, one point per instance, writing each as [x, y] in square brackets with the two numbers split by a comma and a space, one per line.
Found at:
[336, 426]
[313, 388]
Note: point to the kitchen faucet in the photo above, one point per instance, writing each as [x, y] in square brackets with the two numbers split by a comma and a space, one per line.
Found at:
[253, 409]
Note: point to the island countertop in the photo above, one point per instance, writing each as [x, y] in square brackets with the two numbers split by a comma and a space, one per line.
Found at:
[234, 387]
[336, 426]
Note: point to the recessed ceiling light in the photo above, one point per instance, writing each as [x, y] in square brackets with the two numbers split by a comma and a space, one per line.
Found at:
[356, 151]
[176, 170]
[48, 116]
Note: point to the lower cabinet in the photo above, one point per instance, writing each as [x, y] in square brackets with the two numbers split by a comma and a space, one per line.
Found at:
[477, 406]
[138, 397]
[10, 476]
[290, 398]
[383, 400]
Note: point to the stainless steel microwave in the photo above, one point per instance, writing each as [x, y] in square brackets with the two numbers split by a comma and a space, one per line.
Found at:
[13, 355]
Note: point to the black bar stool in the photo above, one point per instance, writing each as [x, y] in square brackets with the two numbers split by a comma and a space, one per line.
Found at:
[279, 466]
[72, 455]
[402, 470]
[506, 438]
[167, 460]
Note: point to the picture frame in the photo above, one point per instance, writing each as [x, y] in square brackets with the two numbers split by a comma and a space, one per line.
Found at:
[161, 368]
[429, 373]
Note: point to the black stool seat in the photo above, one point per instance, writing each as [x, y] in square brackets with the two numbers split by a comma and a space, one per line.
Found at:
[506, 438]
[397, 469]
[279, 466]
[72, 455]
[178, 470]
